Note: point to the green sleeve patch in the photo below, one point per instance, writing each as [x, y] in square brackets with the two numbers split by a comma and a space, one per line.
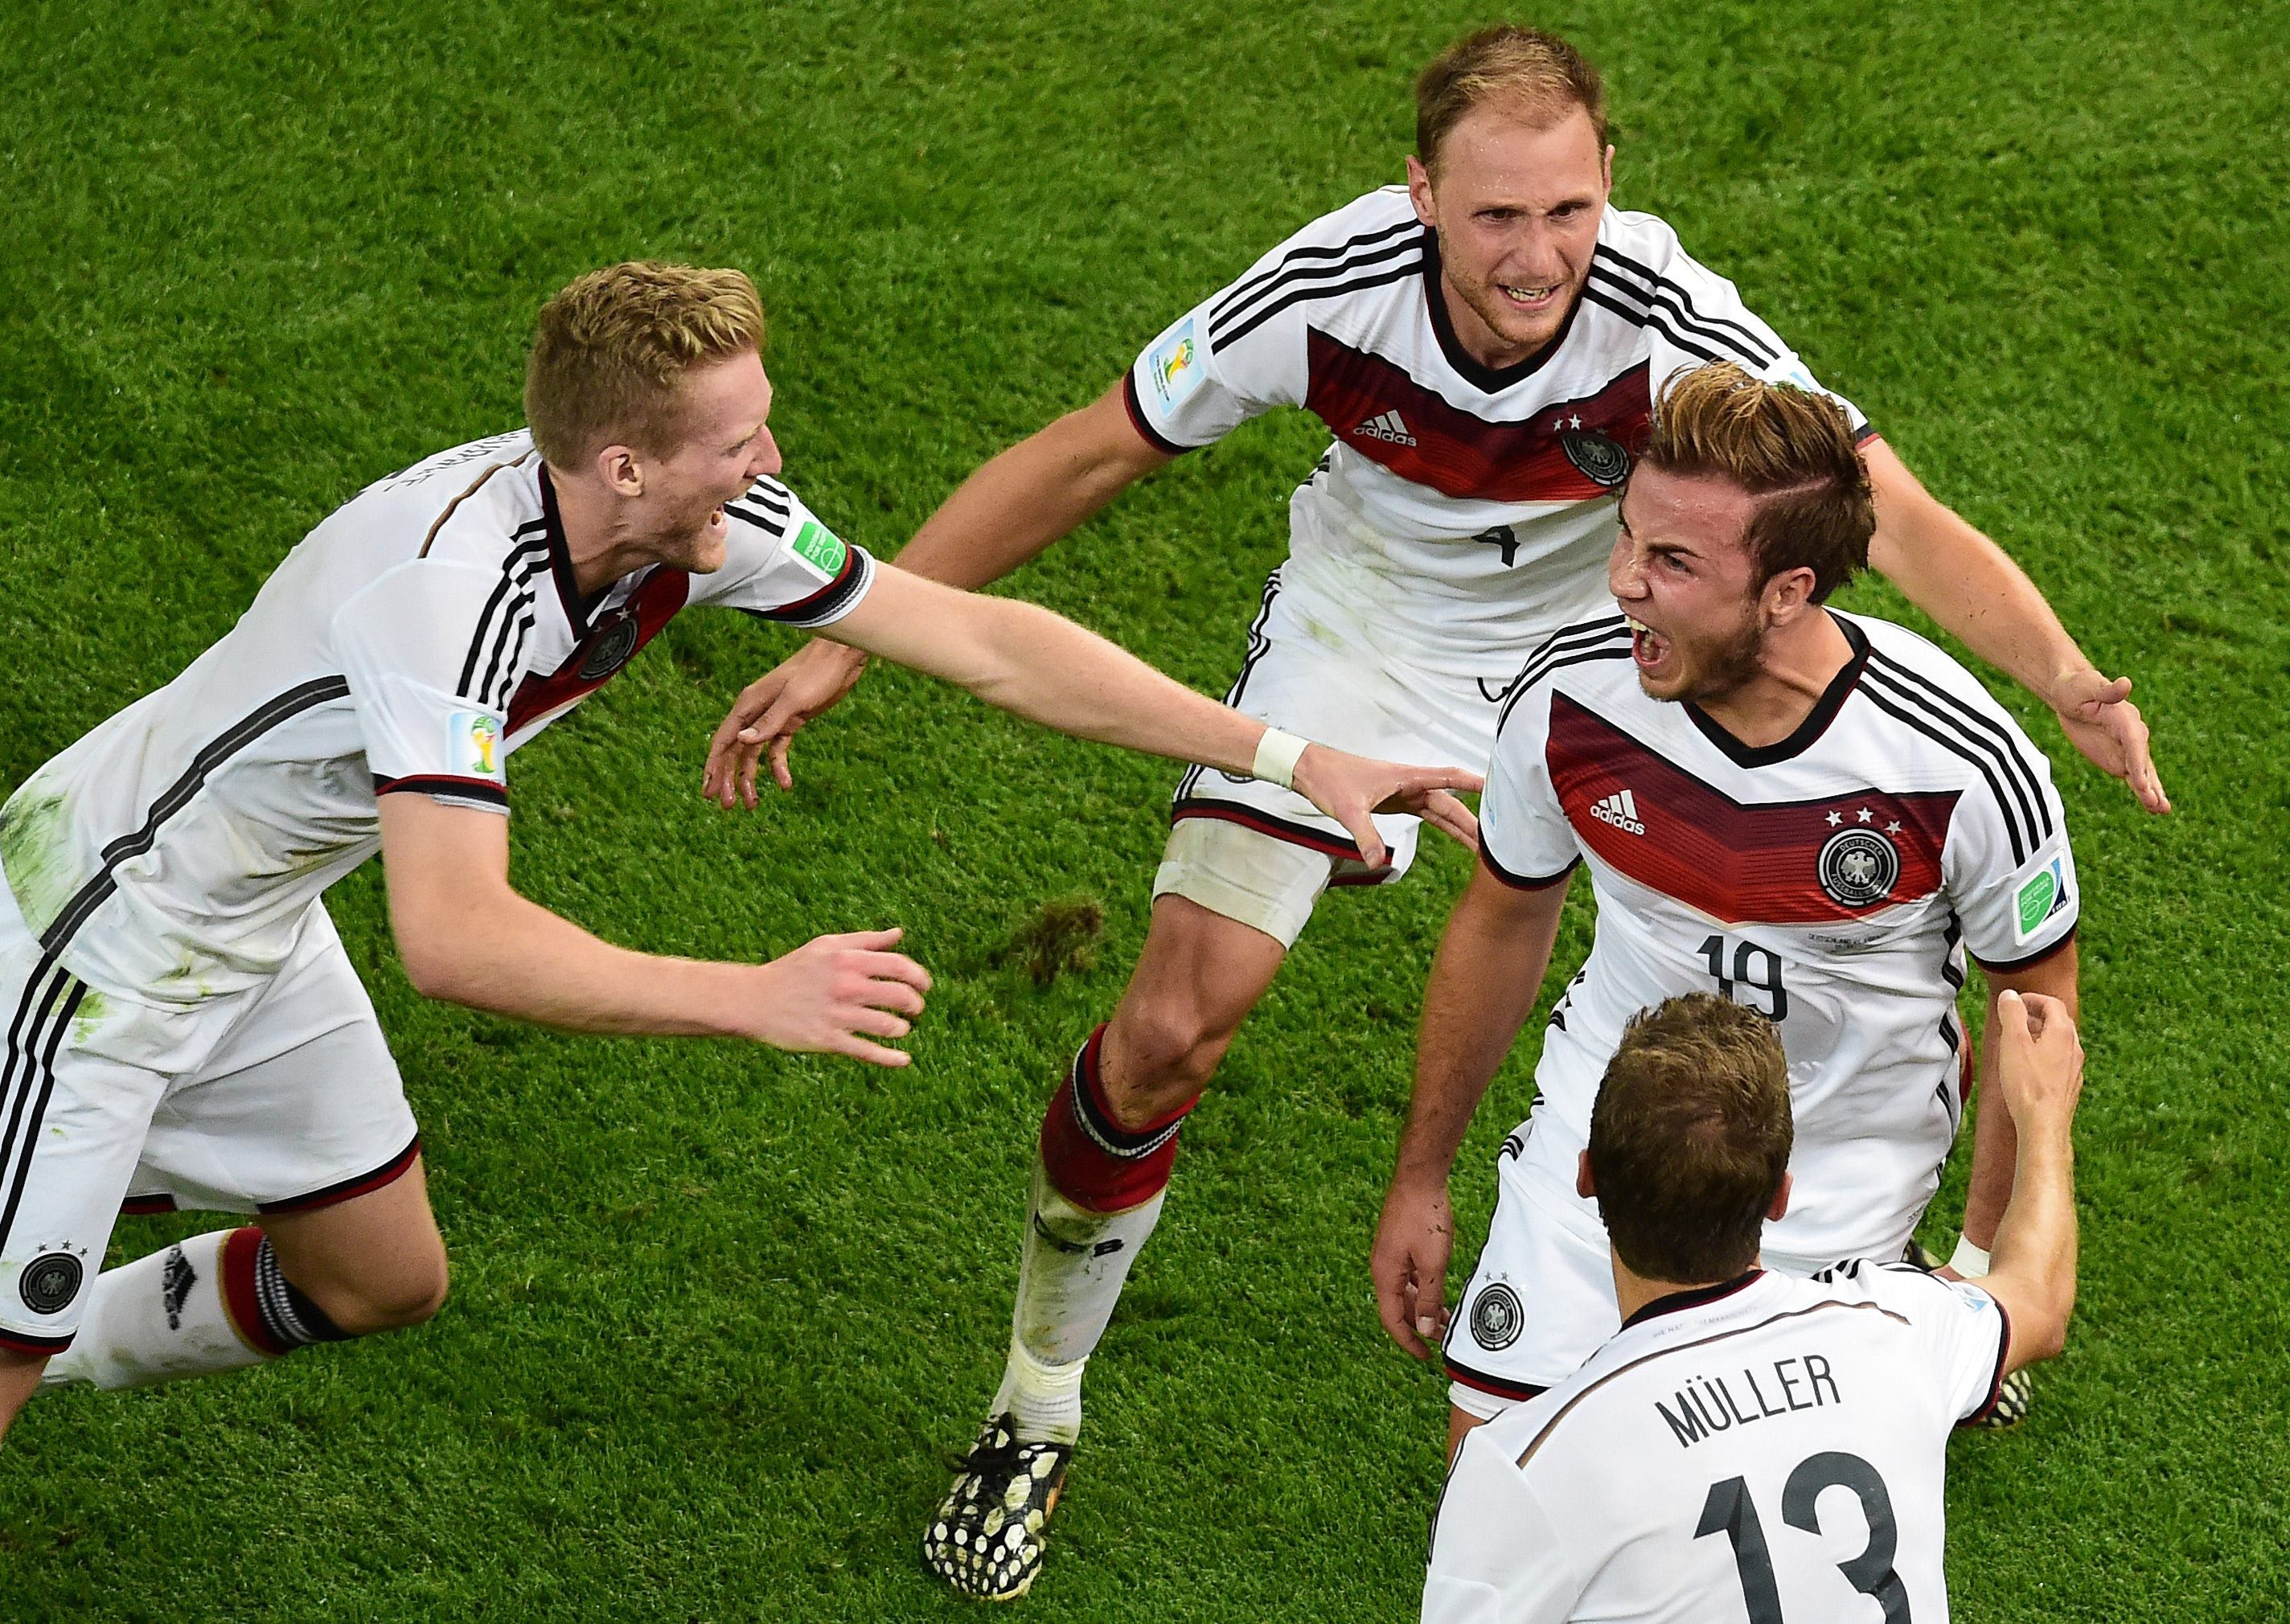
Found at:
[820, 546]
[2034, 900]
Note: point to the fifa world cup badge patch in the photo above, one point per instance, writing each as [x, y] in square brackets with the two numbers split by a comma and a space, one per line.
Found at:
[1175, 364]
[2040, 896]
[473, 745]
[820, 548]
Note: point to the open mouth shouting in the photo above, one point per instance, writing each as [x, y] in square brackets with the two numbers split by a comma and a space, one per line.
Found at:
[1648, 647]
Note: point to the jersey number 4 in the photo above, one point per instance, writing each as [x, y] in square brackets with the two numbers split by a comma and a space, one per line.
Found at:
[1748, 961]
[1730, 1511]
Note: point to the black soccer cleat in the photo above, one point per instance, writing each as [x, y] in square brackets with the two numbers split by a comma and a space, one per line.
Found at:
[985, 1540]
[2015, 1395]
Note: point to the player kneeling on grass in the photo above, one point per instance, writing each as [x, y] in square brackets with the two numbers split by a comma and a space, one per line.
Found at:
[183, 1026]
[1686, 1472]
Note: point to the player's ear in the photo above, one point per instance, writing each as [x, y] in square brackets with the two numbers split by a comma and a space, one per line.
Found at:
[1419, 190]
[1606, 170]
[1789, 593]
[1779, 1209]
[622, 470]
[1584, 1185]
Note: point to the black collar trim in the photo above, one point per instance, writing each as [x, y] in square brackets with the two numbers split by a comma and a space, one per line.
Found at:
[1816, 720]
[1694, 1297]
[560, 559]
[1488, 379]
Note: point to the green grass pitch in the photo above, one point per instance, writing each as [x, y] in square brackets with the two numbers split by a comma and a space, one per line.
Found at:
[722, 1316]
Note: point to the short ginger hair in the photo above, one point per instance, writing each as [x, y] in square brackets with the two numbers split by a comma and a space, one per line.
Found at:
[1790, 445]
[1539, 74]
[613, 347]
[1690, 1139]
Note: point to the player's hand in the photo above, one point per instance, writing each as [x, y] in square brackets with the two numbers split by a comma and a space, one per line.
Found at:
[2040, 1059]
[834, 993]
[1409, 1264]
[2100, 720]
[1348, 788]
[769, 713]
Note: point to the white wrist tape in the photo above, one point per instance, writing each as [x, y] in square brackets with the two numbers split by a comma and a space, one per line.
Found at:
[1967, 1259]
[1276, 755]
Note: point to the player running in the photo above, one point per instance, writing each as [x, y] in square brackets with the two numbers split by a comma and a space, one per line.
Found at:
[1485, 345]
[1747, 1443]
[183, 1026]
[1815, 813]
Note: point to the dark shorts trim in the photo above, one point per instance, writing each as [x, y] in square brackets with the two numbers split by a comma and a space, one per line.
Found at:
[1264, 823]
[1517, 1391]
[38, 1347]
[351, 1189]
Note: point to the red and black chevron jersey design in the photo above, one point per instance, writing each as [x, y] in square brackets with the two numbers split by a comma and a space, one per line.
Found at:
[1833, 881]
[424, 631]
[1465, 508]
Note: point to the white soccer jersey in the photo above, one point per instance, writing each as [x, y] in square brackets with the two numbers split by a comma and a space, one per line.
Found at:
[420, 634]
[1771, 1448]
[1464, 511]
[1833, 881]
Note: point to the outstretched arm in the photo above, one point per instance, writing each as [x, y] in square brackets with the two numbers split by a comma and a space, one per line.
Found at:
[1965, 582]
[1995, 1139]
[1006, 513]
[2034, 1272]
[1044, 668]
[1484, 983]
[467, 937]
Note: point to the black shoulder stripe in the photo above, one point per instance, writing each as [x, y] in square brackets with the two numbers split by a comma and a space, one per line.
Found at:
[1873, 690]
[1241, 293]
[1410, 266]
[1607, 639]
[1305, 276]
[502, 617]
[1653, 319]
[766, 522]
[1713, 325]
[2023, 770]
[1664, 297]
[2027, 791]
[526, 560]
[500, 676]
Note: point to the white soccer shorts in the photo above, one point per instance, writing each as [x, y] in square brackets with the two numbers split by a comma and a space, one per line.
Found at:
[1263, 854]
[281, 1099]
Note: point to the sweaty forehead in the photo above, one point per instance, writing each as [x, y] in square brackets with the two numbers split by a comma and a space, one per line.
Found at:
[1520, 153]
[1708, 515]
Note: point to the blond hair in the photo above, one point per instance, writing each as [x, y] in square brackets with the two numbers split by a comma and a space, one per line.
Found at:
[1539, 74]
[613, 346]
[1773, 440]
[1689, 1137]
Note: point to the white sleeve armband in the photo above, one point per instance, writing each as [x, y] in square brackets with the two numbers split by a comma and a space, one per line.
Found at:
[1276, 755]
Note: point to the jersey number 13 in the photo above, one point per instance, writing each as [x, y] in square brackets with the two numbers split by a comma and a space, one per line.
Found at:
[1730, 1511]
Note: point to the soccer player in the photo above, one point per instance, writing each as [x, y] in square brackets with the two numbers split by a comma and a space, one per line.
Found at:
[1485, 345]
[1815, 813]
[1747, 1443]
[183, 1026]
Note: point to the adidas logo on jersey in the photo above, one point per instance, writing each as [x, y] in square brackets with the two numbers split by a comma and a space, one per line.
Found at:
[1620, 809]
[1388, 427]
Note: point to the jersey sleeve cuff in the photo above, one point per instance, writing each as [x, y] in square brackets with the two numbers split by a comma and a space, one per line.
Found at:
[2007, 966]
[1151, 436]
[481, 793]
[833, 601]
[1865, 434]
[1525, 881]
[1995, 1381]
